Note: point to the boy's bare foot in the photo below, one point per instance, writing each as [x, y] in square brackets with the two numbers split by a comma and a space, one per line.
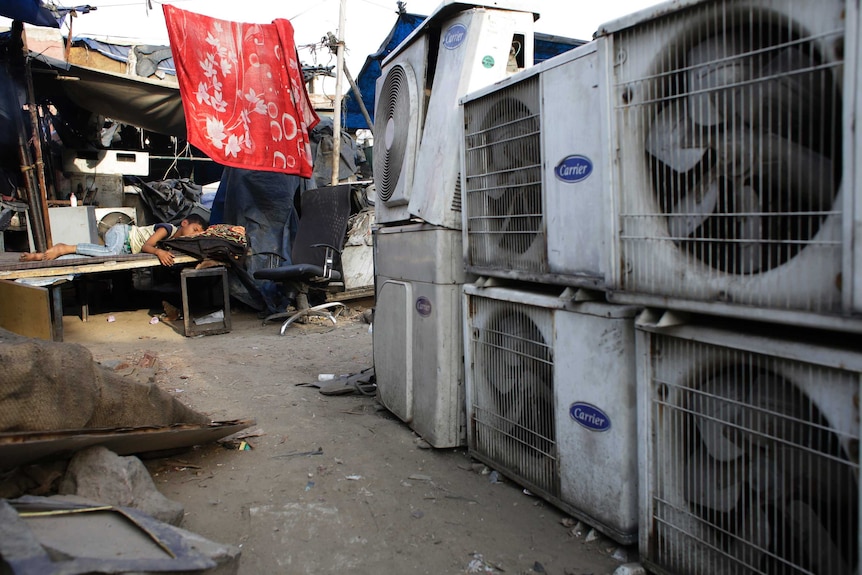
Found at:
[51, 253]
[58, 250]
[31, 257]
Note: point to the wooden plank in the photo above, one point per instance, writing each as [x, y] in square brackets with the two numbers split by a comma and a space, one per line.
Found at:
[26, 310]
[82, 267]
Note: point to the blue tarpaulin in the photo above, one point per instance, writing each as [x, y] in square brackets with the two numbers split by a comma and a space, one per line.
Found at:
[36, 13]
[544, 46]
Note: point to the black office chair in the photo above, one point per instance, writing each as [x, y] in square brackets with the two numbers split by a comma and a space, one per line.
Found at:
[315, 252]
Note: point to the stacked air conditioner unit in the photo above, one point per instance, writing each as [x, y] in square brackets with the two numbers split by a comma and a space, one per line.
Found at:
[733, 129]
[459, 48]
[551, 399]
[535, 180]
[550, 375]
[734, 145]
[418, 350]
[751, 456]
[418, 354]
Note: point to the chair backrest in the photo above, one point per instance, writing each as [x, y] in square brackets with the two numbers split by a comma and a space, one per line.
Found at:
[324, 213]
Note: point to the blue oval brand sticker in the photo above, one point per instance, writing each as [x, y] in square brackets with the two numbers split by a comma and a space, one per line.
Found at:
[454, 36]
[590, 416]
[423, 306]
[573, 169]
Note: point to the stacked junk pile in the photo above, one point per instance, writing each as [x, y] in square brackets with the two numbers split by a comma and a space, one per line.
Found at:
[626, 277]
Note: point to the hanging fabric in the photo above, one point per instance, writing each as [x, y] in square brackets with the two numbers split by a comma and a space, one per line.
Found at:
[243, 93]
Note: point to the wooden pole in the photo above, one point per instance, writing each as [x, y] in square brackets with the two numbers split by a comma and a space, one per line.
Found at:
[339, 75]
[33, 173]
[68, 50]
[37, 143]
[358, 95]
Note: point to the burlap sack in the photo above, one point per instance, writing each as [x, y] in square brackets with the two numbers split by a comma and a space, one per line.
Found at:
[48, 386]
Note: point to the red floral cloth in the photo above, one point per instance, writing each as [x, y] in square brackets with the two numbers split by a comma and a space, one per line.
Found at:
[243, 94]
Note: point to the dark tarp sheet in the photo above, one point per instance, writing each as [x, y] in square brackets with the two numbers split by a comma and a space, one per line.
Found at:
[33, 12]
[263, 203]
[544, 46]
[133, 100]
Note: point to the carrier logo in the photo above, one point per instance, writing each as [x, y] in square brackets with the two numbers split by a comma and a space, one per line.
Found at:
[423, 306]
[573, 169]
[454, 36]
[590, 416]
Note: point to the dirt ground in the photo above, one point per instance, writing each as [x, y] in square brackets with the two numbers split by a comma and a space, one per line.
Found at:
[332, 484]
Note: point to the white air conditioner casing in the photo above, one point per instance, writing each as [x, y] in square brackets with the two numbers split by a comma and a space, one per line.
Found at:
[73, 225]
[733, 131]
[398, 119]
[475, 50]
[551, 399]
[749, 458]
[119, 162]
[535, 174]
[107, 217]
[418, 351]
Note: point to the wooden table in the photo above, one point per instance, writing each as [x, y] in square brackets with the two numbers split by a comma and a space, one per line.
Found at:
[38, 311]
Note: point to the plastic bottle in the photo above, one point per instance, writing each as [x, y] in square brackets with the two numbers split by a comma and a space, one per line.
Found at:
[73, 200]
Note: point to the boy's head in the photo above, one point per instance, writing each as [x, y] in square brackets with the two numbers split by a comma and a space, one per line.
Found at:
[191, 225]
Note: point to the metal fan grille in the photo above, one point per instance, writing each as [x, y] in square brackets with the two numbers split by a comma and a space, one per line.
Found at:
[504, 205]
[748, 473]
[730, 144]
[512, 395]
[391, 127]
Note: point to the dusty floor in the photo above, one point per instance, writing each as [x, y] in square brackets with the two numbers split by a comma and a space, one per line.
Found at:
[333, 484]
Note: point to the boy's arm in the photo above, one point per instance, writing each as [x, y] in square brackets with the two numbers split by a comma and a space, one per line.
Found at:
[149, 247]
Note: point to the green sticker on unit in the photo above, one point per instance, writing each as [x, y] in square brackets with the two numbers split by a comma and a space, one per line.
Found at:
[488, 61]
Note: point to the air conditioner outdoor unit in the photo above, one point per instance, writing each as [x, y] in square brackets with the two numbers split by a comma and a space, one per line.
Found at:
[418, 350]
[535, 178]
[398, 119]
[750, 451]
[108, 217]
[458, 48]
[735, 153]
[551, 399]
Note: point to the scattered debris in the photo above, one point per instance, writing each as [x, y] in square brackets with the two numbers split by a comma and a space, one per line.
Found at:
[620, 554]
[630, 569]
[479, 565]
[100, 475]
[318, 451]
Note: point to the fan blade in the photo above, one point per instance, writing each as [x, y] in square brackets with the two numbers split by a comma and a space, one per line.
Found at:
[783, 85]
[785, 173]
[692, 210]
[753, 540]
[714, 64]
[713, 412]
[668, 141]
[748, 230]
[824, 557]
[710, 484]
